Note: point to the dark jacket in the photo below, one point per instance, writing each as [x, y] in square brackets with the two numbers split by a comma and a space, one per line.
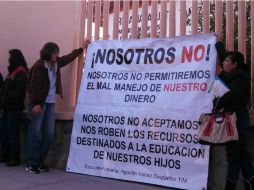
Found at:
[238, 81]
[14, 91]
[237, 98]
[38, 81]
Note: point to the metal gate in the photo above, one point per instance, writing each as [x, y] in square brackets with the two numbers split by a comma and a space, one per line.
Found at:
[233, 20]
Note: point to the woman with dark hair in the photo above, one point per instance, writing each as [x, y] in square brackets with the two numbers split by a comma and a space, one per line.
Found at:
[43, 84]
[235, 75]
[12, 102]
[1, 81]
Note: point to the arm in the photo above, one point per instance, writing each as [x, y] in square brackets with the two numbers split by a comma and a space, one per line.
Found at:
[65, 60]
[238, 87]
[35, 86]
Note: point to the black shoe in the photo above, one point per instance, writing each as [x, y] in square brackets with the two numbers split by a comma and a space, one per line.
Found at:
[12, 163]
[43, 168]
[32, 169]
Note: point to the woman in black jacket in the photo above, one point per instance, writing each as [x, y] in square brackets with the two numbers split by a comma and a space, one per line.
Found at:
[12, 102]
[236, 77]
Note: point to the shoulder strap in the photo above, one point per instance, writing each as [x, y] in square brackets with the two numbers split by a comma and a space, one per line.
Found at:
[17, 70]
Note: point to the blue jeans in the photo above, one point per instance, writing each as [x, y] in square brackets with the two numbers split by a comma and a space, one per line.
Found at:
[10, 138]
[38, 145]
[237, 153]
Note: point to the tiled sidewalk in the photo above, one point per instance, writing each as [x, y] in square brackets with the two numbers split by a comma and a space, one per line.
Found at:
[18, 179]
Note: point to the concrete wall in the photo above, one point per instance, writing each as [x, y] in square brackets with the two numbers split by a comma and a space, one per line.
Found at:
[28, 25]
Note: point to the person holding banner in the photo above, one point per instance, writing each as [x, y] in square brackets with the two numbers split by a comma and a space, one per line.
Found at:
[236, 77]
[44, 83]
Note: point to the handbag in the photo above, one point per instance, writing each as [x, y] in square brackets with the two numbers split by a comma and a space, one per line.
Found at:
[217, 128]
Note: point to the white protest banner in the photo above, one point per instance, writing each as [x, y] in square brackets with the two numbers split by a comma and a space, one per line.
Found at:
[138, 108]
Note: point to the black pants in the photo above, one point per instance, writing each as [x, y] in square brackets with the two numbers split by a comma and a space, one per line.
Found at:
[10, 138]
[237, 154]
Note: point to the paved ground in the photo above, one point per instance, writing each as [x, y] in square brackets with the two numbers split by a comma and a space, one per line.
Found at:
[17, 179]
